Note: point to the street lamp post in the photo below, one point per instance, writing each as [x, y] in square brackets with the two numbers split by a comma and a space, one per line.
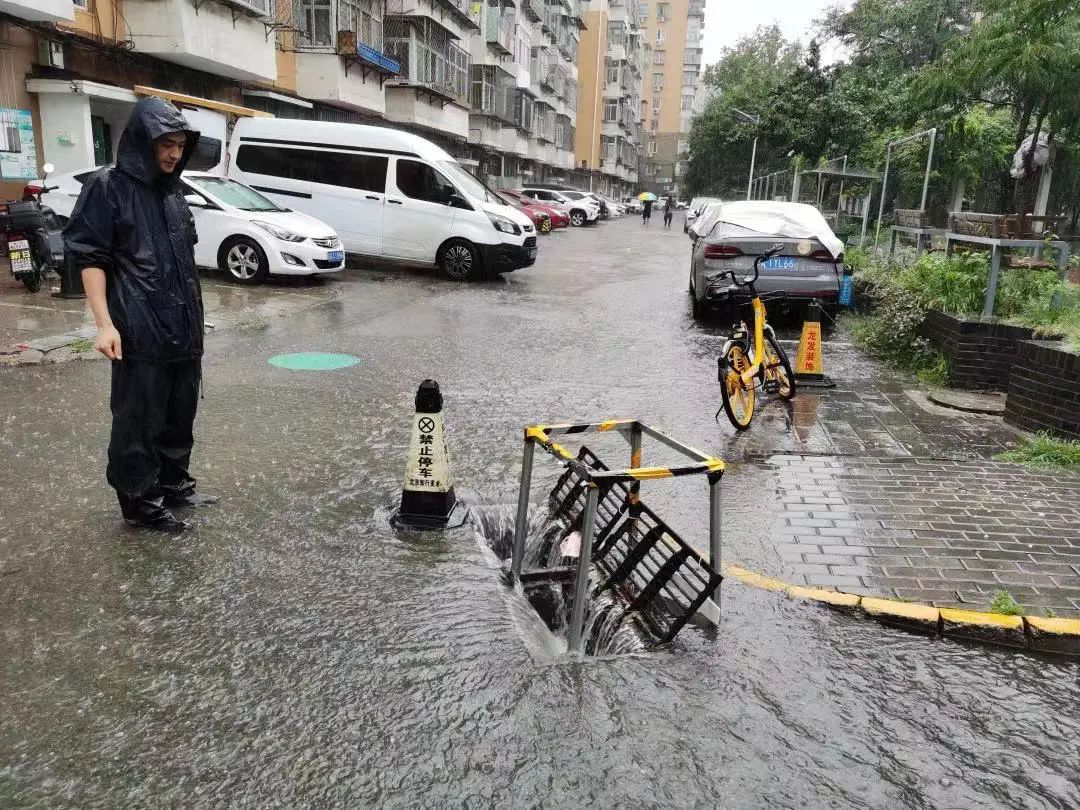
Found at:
[756, 121]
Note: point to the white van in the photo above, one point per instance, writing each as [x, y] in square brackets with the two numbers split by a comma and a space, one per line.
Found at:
[387, 193]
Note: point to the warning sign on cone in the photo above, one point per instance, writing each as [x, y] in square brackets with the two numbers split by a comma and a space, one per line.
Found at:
[809, 365]
[427, 494]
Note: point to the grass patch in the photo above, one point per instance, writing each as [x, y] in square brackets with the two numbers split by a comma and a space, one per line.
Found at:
[1005, 605]
[81, 345]
[1045, 451]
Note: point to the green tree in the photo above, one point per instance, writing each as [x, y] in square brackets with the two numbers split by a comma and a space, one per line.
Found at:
[1023, 55]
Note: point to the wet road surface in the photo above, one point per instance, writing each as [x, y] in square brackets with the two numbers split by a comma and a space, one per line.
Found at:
[295, 651]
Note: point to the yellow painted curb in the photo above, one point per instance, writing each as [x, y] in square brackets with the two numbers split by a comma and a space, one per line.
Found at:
[908, 613]
[1053, 635]
[979, 626]
[834, 598]
[1032, 632]
[756, 580]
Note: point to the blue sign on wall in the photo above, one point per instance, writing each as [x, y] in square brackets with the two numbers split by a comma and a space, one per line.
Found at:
[378, 59]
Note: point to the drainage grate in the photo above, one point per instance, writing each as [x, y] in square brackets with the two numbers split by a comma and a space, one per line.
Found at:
[659, 578]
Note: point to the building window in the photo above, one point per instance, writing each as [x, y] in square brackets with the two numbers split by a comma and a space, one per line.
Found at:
[658, 57]
[684, 146]
[689, 78]
[693, 57]
[656, 105]
[654, 124]
[658, 81]
[687, 102]
[652, 148]
[663, 12]
[313, 22]
[612, 73]
[659, 36]
[611, 110]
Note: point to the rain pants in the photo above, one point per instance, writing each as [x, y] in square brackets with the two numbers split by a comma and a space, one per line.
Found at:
[132, 222]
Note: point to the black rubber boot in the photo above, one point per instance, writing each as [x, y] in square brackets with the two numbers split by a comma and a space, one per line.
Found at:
[175, 500]
[149, 513]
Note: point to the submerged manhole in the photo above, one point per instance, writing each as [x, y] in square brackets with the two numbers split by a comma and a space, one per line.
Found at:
[313, 361]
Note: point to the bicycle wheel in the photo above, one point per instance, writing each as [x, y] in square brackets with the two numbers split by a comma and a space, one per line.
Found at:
[778, 368]
[738, 398]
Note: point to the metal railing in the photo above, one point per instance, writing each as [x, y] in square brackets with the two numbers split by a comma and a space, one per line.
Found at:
[492, 93]
[428, 58]
[533, 10]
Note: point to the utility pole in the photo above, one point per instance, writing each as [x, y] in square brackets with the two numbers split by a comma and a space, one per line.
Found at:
[756, 121]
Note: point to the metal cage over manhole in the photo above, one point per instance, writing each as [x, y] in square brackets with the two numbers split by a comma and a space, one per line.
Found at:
[659, 578]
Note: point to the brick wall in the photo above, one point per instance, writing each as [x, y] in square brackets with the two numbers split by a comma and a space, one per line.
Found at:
[979, 353]
[1044, 389]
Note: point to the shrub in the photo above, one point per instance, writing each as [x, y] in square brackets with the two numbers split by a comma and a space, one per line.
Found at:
[1045, 451]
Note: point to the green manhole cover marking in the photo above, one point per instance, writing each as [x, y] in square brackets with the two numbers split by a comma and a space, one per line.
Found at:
[313, 361]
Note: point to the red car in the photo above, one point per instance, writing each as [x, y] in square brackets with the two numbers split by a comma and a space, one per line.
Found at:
[559, 219]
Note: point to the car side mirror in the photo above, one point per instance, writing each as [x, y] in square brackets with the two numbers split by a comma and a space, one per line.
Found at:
[195, 201]
[455, 200]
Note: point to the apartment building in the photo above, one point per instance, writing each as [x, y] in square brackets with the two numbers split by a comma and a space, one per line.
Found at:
[608, 148]
[496, 83]
[674, 29]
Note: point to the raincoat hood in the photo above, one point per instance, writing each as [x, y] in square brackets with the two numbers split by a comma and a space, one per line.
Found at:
[152, 118]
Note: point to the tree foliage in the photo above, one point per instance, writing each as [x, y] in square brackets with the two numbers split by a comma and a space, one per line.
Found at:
[986, 73]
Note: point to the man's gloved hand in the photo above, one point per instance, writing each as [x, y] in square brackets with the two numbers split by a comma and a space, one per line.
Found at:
[108, 342]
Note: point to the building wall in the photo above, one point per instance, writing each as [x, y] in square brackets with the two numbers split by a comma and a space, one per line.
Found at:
[19, 52]
[591, 85]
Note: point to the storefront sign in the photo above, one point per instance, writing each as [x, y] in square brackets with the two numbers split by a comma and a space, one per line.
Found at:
[18, 126]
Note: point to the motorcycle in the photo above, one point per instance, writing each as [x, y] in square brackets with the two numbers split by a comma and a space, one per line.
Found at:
[32, 234]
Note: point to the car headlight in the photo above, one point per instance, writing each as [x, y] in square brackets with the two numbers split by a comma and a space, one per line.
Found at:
[503, 224]
[280, 233]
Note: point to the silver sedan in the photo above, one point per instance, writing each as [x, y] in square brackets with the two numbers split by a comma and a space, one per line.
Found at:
[728, 236]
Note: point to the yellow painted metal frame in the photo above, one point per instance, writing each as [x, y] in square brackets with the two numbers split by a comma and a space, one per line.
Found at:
[543, 435]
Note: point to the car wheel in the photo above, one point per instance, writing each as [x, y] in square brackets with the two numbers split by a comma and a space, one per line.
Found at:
[577, 218]
[460, 261]
[243, 260]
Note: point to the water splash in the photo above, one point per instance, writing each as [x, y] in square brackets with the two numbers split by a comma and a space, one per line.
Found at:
[607, 630]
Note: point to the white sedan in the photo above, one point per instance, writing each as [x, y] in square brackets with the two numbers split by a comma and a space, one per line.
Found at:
[240, 231]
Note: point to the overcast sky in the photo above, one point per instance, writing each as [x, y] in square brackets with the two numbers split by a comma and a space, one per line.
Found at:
[728, 20]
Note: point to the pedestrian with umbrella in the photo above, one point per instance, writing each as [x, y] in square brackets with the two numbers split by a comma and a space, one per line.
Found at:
[647, 199]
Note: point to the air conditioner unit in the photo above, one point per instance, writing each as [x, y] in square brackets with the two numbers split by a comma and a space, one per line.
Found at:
[51, 53]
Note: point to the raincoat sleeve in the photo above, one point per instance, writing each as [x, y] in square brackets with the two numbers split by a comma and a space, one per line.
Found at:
[88, 236]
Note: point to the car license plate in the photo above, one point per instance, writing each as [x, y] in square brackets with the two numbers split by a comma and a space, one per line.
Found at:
[532, 253]
[335, 256]
[779, 263]
[19, 257]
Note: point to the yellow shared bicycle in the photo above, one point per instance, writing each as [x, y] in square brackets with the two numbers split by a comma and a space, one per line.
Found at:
[750, 361]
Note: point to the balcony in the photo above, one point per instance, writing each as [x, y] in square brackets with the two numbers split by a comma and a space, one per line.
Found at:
[458, 17]
[47, 11]
[500, 32]
[433, 63]
[525, 112]
[493, 93]
[695, 9]
[223, 38]
[556, 80]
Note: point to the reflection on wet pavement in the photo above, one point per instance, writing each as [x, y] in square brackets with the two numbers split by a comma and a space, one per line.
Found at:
[295, 651]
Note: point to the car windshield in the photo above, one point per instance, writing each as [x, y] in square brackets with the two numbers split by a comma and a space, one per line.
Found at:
[235, 194]
[573, 195]
[468, 183]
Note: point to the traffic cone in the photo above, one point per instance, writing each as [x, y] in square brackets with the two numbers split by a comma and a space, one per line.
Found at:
[427, 494]
[809, 366]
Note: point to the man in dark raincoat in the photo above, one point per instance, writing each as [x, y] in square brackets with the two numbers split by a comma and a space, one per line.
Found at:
[132, 236]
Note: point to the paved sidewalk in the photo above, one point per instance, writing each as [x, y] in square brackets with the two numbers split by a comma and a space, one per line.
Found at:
[48, 325]
[946, 532]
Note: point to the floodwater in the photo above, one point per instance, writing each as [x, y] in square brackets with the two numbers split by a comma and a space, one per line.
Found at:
[296, 651]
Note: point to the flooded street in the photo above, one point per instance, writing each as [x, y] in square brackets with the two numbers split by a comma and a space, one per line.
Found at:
[294, 650]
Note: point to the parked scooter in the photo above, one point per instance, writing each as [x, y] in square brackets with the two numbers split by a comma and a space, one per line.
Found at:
[32, 234]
